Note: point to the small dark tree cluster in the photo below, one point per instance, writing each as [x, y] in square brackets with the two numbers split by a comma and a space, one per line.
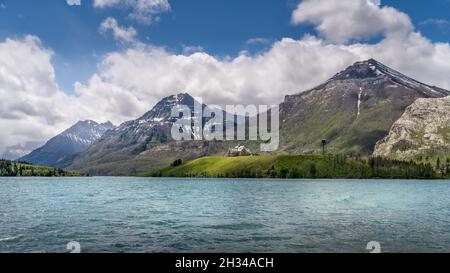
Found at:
[177, 163]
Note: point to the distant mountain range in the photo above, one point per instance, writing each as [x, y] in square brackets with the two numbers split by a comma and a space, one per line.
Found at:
[59, 151]
[353, 111]
[17, 151]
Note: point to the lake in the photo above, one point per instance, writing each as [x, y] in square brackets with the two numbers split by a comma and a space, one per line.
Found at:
[107, 214]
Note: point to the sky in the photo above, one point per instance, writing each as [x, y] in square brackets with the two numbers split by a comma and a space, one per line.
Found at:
[111, 60]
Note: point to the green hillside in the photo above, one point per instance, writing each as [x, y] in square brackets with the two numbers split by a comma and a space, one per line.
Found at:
[299, 166]
[11, 168]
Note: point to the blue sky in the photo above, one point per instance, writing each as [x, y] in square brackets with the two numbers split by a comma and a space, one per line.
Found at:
[220, 27]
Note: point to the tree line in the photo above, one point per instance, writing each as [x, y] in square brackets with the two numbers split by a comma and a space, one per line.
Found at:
[328, 166]
[12, 169]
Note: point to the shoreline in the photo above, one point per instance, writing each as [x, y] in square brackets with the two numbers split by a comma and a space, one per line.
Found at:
[231, 178]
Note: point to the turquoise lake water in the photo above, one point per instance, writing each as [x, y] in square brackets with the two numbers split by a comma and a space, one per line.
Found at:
[108, 214]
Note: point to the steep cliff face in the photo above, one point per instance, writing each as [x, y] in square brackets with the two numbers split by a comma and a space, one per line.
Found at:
[423, 130]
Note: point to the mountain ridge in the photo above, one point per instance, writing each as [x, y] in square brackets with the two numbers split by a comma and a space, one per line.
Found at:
[57, 151]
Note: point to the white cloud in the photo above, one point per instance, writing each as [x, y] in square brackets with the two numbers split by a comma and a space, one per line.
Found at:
[434, 21]
[106, 3]
[442, 25]
[259, 40]
[121, 34]
[73, 2]
[32, 107]
[143, 11]
[340, 21]
[148, 73]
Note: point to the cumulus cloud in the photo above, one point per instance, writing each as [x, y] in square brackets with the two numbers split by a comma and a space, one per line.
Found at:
[32, 107]
[130, 81]
[143, 11]
[121, 34]
[73, 2]
[147, 73]
[340, 21]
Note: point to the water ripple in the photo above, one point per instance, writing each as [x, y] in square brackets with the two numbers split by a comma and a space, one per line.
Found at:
[213, 215]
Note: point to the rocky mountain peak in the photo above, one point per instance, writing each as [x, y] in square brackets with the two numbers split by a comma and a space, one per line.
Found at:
[371, 70]
[162, 110]
[108, 125]
[87, 131]
[360, 70]
[83, 124]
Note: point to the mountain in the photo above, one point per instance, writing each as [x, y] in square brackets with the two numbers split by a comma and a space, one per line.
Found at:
[59, 150]
[351, 111]
[422, 131]
[144, 144]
